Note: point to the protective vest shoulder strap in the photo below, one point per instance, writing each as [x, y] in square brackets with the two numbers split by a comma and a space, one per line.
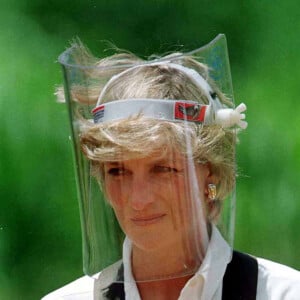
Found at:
[116, 290]
[239, 282]
[240, 279]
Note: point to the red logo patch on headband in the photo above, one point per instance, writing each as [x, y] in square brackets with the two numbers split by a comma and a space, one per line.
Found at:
[98, 113]
[190, 112]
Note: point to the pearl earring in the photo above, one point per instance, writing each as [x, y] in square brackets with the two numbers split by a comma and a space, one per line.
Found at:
[212, 191]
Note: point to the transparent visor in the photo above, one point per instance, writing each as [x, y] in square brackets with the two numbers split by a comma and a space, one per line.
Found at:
[154, 157]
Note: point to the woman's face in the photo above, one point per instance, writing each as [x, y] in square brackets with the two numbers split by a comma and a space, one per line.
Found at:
[152, 197]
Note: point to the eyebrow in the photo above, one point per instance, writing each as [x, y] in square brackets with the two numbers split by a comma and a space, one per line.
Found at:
[113, 163]
[157, 160]
[164, 160]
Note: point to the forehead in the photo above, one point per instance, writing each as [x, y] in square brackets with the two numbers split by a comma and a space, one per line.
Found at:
[171, 155]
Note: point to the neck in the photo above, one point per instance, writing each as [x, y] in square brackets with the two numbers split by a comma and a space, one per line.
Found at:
[163, 263]
[163, 289]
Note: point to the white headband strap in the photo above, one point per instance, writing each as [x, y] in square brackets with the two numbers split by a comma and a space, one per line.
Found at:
[171, 110]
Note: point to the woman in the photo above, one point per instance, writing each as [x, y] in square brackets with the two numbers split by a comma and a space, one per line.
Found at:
[162, 149]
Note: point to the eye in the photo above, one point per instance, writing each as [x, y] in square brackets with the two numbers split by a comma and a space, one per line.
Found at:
[116, 171]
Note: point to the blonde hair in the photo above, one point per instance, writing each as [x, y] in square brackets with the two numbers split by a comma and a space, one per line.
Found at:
[139, 136]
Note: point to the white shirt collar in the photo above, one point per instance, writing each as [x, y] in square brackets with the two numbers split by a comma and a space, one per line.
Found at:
[205, 284]
[130, 287]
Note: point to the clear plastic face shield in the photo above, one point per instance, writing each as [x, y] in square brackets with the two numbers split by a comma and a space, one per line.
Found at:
[154, 145]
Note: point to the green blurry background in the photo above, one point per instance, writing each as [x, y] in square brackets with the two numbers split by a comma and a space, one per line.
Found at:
[40, 241]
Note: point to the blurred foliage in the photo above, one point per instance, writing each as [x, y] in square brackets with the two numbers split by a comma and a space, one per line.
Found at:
[40, 242]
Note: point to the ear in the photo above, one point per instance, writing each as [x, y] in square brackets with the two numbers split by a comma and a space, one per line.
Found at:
[212, 177]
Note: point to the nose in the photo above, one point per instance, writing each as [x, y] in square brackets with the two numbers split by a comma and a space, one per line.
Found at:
[141, 193]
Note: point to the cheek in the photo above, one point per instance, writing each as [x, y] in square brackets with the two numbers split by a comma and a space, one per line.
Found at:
[183, 200]
[178, 201]
[114, 193]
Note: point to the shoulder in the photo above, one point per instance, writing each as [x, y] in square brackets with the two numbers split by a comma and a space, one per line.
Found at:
[85, 287]
[276, 281]
[111, 274]
[79, 289]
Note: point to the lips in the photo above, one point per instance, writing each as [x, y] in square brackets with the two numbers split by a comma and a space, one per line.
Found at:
[147, 220]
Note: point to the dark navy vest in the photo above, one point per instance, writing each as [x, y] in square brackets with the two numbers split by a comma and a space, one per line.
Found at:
[239, 282]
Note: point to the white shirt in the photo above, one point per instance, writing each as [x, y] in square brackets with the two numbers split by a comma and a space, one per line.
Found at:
[275, 281]
[211, 270]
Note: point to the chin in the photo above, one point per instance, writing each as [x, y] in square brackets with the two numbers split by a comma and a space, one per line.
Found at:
[147, 244]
